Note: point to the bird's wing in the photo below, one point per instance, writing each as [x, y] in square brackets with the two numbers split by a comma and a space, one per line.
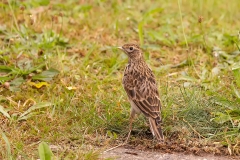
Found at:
[142, 90]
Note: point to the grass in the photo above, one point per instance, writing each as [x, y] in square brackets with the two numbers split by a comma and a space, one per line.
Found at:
[60, 68]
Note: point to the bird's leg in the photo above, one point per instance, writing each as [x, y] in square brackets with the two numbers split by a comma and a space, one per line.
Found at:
[130, 130]
[132, 114]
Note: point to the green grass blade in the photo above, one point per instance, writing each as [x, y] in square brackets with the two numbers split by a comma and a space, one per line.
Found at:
[4, 112]
[34, 107]
[8, 147]
[44, 151]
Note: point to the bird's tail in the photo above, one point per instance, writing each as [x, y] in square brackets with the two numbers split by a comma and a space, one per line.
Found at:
[156, 129]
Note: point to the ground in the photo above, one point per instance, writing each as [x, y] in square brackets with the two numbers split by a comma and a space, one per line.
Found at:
[133, 154]
[61, 91]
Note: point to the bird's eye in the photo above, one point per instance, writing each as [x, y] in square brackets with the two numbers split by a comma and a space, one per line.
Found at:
[131, 48]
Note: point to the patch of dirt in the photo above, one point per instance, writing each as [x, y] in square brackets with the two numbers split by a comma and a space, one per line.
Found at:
[123, 153]
[176, 143]
[174, 148]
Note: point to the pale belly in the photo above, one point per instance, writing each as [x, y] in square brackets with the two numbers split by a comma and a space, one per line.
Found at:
[135, 108]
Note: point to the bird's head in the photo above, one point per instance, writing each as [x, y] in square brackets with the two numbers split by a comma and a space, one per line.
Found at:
[132, 50]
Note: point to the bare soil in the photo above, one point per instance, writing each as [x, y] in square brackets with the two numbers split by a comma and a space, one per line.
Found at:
[123, 153]
[171, 149]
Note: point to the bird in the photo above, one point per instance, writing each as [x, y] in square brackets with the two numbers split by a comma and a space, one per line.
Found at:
[140, 85]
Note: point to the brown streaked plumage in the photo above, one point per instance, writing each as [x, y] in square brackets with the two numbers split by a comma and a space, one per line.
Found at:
[141, 88]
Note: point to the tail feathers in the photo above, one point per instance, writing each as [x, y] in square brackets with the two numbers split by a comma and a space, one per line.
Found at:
[156, 129]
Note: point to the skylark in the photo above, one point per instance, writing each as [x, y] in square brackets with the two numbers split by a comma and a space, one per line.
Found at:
[141, 88]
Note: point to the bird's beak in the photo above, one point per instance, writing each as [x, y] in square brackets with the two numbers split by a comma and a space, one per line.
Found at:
[120, 48]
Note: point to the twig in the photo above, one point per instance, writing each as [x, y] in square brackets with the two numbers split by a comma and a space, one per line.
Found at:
[199, 135]
[114, 147]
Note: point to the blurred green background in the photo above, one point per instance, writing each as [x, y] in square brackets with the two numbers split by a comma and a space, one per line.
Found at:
[60, 74]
